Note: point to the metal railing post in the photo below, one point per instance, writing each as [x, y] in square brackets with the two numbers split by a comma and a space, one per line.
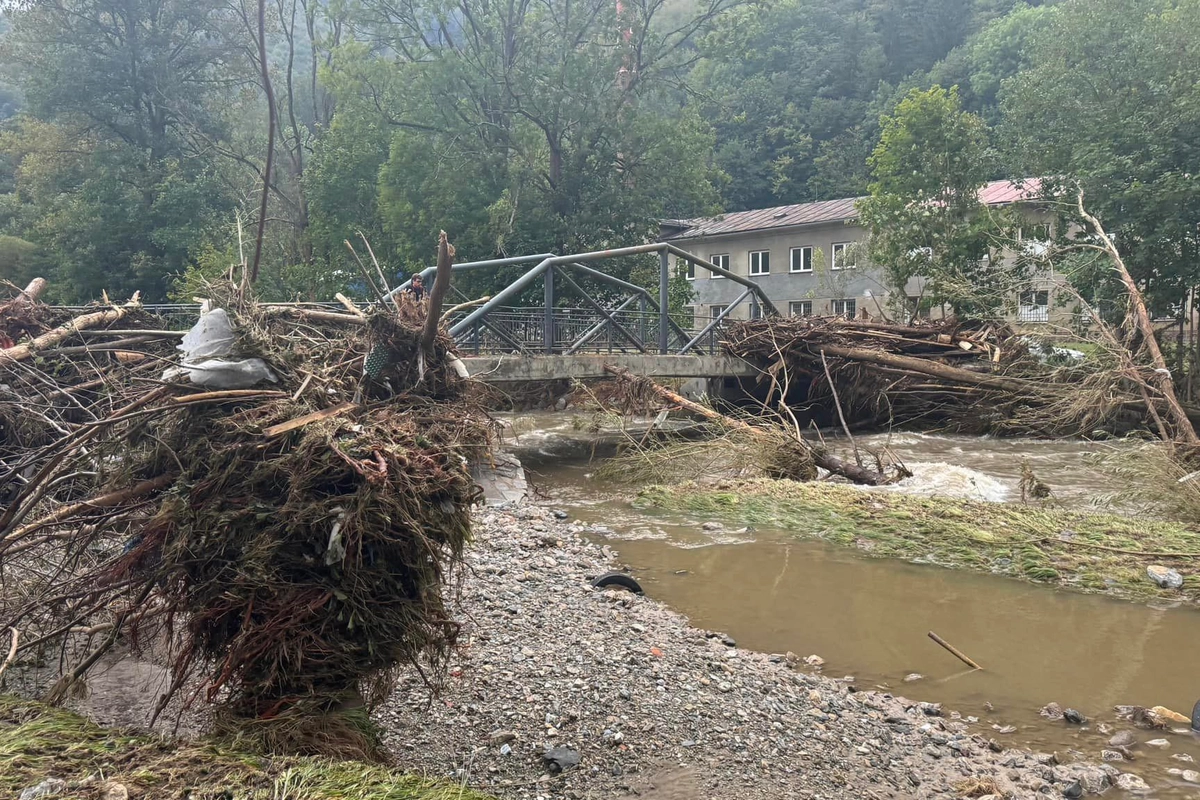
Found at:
[548, 320]
[642, 317]
[664, 306]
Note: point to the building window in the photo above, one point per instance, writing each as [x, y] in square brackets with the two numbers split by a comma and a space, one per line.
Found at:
[721, 261]
[843, 256]
[843, 308]
[1034, 306]
[717, 311]
[760, 262]
[756, 311]
[689, 317]
[800, 308]
[801, 259]
[689, 270]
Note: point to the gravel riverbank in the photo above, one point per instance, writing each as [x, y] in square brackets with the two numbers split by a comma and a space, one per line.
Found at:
[654, 708]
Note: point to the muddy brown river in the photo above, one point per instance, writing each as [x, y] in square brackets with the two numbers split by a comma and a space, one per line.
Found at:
[869, 618]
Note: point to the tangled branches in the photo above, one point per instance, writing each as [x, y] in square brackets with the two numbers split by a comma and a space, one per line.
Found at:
[949, 374]
[290, 542]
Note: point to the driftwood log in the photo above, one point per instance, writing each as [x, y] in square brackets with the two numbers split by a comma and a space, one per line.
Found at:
[50, 338]
[820, 456]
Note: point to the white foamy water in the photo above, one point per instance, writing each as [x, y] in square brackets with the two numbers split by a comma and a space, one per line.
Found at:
[937, 478]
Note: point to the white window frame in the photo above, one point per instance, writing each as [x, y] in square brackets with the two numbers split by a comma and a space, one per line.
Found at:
[849, 302]
[715, 310]
[792, 308]
[689, 270]
[843, 248]
[754, 269]
[713, 260]
[1033, 311]
[792, 259]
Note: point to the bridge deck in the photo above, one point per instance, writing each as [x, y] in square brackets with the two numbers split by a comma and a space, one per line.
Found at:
[508, 369]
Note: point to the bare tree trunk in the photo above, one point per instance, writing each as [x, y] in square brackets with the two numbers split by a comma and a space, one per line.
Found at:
[437, 295]
[1161, 377]
[271, 123]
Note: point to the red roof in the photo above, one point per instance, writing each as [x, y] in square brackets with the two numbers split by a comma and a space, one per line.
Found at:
[993, 194]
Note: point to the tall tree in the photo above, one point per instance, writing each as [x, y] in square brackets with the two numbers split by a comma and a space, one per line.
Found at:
[782, 82]
[1111, 101]
[924, 212]
[105, 181]
[525, 127]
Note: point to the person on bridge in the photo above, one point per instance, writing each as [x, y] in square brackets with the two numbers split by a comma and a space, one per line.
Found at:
[416, 288]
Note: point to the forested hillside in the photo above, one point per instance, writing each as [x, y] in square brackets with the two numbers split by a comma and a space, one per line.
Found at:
[137, 132]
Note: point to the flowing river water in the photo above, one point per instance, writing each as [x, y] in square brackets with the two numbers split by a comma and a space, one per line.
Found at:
[775, 592]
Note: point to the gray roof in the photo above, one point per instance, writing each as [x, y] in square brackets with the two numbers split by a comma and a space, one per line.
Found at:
[994, 193]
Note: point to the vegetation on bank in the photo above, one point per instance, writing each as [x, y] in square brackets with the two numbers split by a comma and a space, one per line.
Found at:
[39, 742]
[1091, 552]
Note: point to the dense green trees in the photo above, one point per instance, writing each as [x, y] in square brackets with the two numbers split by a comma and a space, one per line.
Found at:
[137, 128]
[1110, 101]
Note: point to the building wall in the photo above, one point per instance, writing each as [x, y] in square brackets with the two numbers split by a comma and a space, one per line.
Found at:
[823, 285]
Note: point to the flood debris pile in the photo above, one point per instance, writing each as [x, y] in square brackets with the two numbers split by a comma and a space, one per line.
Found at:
[280, 506]
[954, 375]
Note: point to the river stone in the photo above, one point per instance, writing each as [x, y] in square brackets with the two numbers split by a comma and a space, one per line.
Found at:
[1128, 782]
[115, 791]
[1165, 577]
[1163, 743]
[1052, 711]
[1122, 739]
[50, 787]
[1074, 717]
[1191, 776]
[1111, 755]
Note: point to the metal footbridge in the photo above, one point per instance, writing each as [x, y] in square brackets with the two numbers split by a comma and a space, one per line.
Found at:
[589, 318]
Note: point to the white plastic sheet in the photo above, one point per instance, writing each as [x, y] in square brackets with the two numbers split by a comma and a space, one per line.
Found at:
[206, 348]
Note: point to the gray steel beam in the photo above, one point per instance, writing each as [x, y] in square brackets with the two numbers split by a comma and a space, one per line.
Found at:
[715, 322]
[503, 296]
[489, 262]
[599, 326]
[548, 310]
[604, 313]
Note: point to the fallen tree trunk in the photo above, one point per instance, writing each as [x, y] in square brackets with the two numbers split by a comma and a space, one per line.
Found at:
[822, 458]
[1161, 377]
[35, 288]
[22, 352]
[934, 369]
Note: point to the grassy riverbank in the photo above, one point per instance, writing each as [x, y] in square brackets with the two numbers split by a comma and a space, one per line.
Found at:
[1103, 553]
[38, 742]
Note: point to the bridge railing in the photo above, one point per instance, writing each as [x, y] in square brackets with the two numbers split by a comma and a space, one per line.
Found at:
[522, 331]
[584, 309]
